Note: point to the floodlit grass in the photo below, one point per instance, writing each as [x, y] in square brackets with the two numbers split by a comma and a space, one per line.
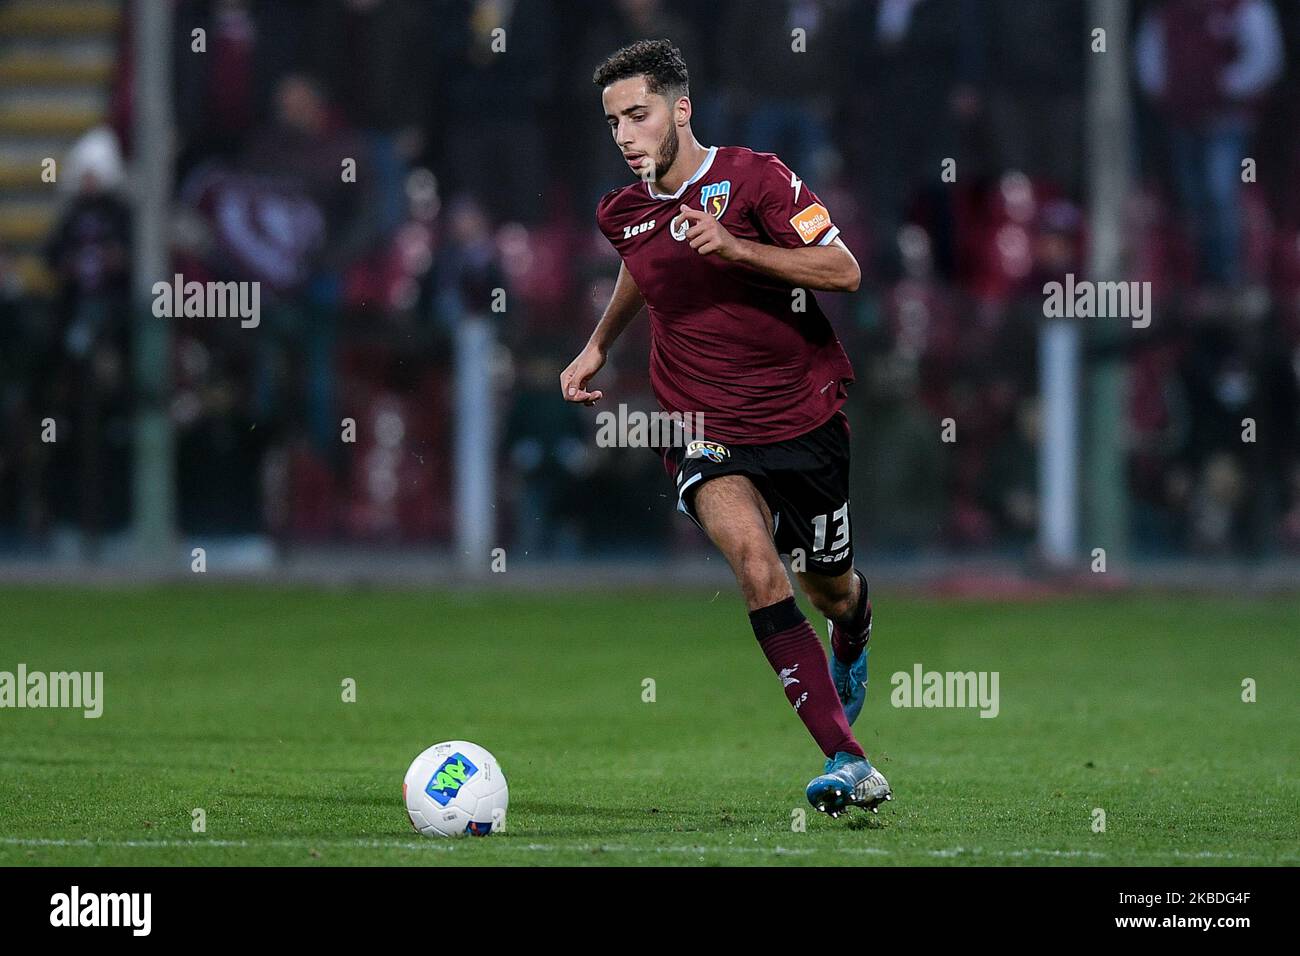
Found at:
[229, 699]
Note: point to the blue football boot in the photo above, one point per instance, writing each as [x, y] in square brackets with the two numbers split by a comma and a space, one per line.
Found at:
[851, 682]
[849, 781]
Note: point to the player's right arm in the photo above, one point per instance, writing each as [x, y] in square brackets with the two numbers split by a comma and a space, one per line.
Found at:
[623, 307]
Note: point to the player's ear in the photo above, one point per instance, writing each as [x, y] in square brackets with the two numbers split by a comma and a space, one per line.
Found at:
[683, 110]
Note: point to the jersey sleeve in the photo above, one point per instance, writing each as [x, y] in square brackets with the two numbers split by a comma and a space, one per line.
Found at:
[788, 210]
[603, 215]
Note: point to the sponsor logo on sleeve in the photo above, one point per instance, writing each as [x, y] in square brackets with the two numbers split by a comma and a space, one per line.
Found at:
[810, 222]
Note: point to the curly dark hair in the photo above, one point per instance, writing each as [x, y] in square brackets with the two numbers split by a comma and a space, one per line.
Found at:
[658, 60]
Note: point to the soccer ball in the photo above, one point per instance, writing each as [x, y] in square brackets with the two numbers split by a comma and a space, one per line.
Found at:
[454, 788]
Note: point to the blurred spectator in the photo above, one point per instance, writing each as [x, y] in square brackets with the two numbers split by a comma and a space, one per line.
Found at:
[914, 106]
[364, 281]
[901, 475]
[1010, 485]
[783, 98]
[1207, 64]
[1031, 66]
[86, 383]
[1291, 520]
[1215, 516]
[385, 91]
[301, 154]
[217, 95]
[549, 453]
[467, 269]
[305, 146]
[497, 81]
[219, 449]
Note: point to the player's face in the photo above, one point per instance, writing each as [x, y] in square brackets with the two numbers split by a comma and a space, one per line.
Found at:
[644, 126]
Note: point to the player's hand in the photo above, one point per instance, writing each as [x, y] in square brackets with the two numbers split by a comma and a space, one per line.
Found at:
[574, 379]
[708, 236]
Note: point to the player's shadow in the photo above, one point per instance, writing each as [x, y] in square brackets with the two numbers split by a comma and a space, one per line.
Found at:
[659, 820]
[865, 821]
[119, 764]
[322, 800]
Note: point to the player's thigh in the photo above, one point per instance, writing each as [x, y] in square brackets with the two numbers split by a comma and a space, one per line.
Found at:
[738, 521]
[736, 518]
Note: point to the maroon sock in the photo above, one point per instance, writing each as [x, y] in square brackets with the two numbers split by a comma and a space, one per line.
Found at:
[848, 638]
[795, 653]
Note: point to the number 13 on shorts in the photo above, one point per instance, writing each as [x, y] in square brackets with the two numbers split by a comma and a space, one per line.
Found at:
[841, 516]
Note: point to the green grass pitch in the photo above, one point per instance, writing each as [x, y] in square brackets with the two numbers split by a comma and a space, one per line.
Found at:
[229, 698]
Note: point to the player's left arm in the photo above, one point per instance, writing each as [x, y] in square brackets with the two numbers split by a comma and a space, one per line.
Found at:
[831, 267]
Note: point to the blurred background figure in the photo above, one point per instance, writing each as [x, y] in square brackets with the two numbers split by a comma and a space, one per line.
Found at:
[1207, 65]
[84, 382]
[397, 174]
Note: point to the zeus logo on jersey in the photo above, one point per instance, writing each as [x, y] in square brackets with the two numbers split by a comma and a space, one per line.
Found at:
[449, 778]
[640, 227]
[714, 197]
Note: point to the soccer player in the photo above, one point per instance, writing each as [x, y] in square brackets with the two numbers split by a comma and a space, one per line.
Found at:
[723, 245]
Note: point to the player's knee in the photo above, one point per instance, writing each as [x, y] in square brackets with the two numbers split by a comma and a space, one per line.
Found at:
[762, 578]
[835, 603]
[834, 607]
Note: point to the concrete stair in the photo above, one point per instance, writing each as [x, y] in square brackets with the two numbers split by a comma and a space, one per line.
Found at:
[56, 63]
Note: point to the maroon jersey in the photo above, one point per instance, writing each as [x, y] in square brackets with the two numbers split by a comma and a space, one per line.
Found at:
[726, 341]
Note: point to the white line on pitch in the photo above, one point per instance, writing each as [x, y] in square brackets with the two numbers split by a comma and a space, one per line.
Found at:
[441, 845]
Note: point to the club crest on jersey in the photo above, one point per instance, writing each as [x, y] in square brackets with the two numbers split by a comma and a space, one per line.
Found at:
[714, 196]
[707, 449]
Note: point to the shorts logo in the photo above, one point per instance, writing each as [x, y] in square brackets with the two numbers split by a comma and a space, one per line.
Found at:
[707, 449]
[810, 222]
[714, 197]
[450, 776]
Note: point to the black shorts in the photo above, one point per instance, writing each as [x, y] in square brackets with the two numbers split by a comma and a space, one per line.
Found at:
[804, 480]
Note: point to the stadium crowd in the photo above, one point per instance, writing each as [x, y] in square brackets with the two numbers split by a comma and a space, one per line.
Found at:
[478, 170]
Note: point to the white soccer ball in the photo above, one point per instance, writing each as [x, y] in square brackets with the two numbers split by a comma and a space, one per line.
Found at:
[454, 788]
